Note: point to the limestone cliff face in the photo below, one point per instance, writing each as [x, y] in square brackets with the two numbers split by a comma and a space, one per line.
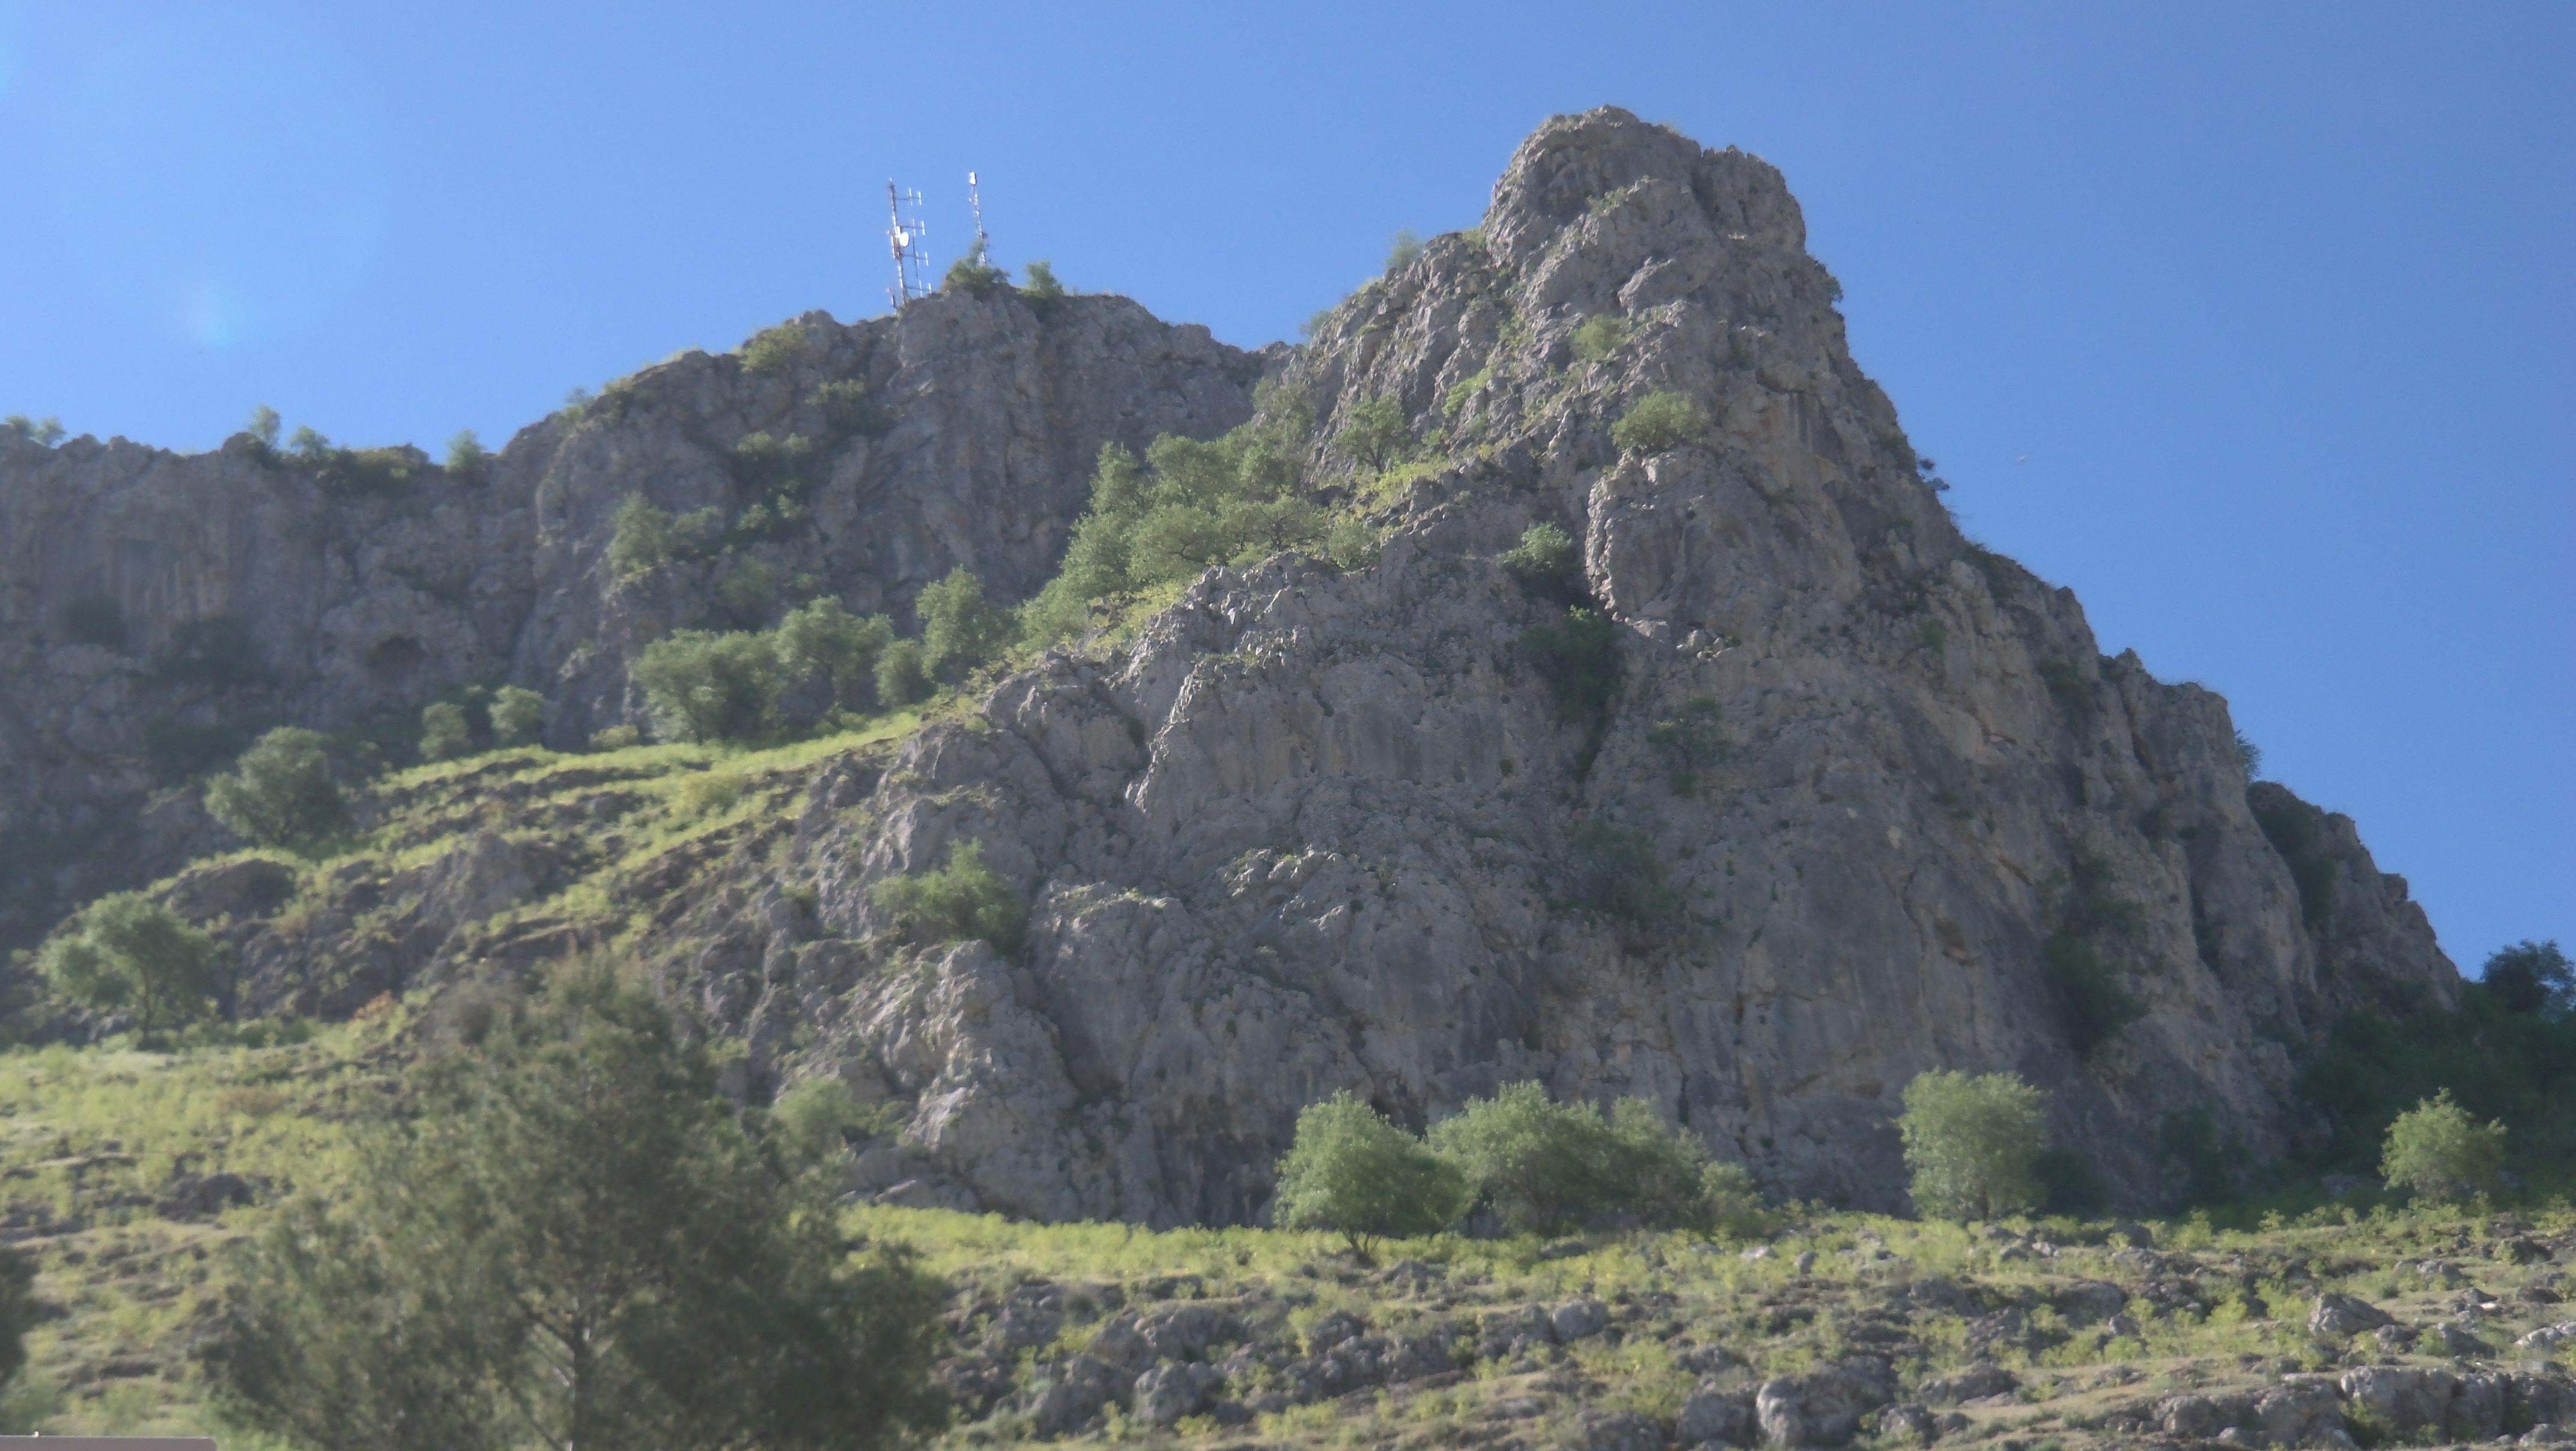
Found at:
[962, 433]
[1320, 827]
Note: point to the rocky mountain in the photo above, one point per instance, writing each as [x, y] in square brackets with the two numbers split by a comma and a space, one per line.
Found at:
[1846, 797]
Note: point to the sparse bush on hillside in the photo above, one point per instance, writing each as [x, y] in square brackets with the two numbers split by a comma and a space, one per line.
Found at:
[776, 349]
[1657, 422]
[1578, 657]
[20, 1312]
[704, 686]
[1188, 505]
[1600, 336]
[2531, 978]
[959, 631]
[975, 275]
[824, 640]
[1352, 1172]
[1374, 431]
[644, 536]
[850, 409]
[1402, 249]
[2249, 755]
[2298, 832]
[445, 734]
[2440, 1153]
[518, 716]
[45, 433]
[1042, 291]
[263, 426]
[467, 459]
[1547, 565]
[901, 678]
[1973, 1144]
[1691, 742]
[95, 620]
[127, 952]
[575, 1242]
[2093, 1005]
[816, 1118]
[956, 902]
[281, 792]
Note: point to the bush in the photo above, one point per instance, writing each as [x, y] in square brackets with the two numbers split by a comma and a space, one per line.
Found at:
[445, 734]
[1188, 505]
[467, 460]
[959, 901]
[748, 591]
[973, 275]
[1599, 337]
[2499, 1063]
[1973, 1144]
[518, 716]
[847, 407]
[1547, 565]
[760, 460]
[217, 651]
[616, 738]
[2298, 832]
[1352, 1172]
[281, 792]
[776, 349]
[704, 686]
[817, 1116]
[1618, 873]
[644, 536]
[1374, 432]
[1402, 249]
[1578, 657]
[44, 433]
[824, 640]
[20, 1311]
[2442, 1154]
[127, 951]
[1042, 291]
[1691, 742]
[959, 631]
[2092, 1003]
[1658, 422]
[263, 426]
[95, 620]
[2531, 978]
[1544, 1167]
[901, 679]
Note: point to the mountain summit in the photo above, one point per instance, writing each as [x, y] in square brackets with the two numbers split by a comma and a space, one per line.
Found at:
[1616, 705]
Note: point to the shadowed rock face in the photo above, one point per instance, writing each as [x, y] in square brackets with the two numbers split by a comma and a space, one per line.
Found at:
[1318, 828]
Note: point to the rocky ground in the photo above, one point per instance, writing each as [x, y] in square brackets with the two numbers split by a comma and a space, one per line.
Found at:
[2406, 1329]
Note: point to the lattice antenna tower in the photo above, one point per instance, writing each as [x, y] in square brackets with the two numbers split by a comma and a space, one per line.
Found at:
[904, 233]
[983, 253]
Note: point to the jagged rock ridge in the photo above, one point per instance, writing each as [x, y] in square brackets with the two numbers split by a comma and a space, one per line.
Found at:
[1318, 828]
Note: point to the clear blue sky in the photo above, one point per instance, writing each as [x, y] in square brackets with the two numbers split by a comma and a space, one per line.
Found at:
[2277, 300]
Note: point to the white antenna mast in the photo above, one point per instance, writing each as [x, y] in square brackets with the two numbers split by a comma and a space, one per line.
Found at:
[983, 244]
[904, 232]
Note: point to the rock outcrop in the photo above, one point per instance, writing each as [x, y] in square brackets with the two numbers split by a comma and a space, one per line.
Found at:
[1866, 799]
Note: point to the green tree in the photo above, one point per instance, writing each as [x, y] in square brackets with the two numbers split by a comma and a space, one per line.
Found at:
[1374, 432]
[1600, 336]
[1547, 565]
[823, 639]
[704, 686]
[1578, 657]
[1973, 1144]
[973, 274]
[518, 716]
[1354, 1173]
[574, 1243]
[1042, 291]
[2442, 1154]
[1545, 1167]
[959, 631]
[264, 425]
[445, 734]
[126, 951]
[281, 792]
[467, 458]
[1402, 249]
[1617, 872]
[901, 677]
[44, 433]
[1659, 421]
[2531, 978]
[961, 900]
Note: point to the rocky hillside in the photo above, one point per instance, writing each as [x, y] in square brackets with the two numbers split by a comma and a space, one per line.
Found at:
[1823, 795]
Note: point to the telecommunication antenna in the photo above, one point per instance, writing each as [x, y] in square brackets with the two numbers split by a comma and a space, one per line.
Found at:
[975, 196]
[904, 232]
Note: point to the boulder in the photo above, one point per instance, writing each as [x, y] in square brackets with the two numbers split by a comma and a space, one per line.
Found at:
[1823, 1407]
[2343, 1316]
